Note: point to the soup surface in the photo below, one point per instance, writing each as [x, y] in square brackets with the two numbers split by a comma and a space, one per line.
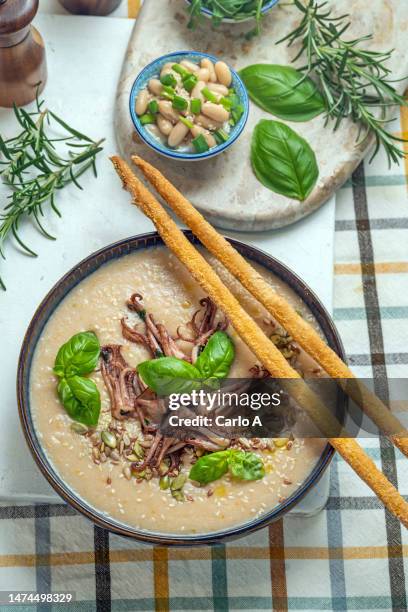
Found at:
[102, 475]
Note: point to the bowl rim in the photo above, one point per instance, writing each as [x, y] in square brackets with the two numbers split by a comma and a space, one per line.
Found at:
[209, 13]
[174, 154]
[45, 310]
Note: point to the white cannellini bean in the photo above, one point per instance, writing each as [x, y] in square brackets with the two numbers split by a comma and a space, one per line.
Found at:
[197, 130]
[166, 109]
[223, 73]
[177, 134]
[155, 87]
[207, 63]
[165, 126]
[207, 123]
[215, 111]
[203, 74]
[142, 101]
[196, 91]
[153, 129]
[189, 66]
[218, 88]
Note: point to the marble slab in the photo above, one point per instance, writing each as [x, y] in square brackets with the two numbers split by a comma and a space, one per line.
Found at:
[224, 188]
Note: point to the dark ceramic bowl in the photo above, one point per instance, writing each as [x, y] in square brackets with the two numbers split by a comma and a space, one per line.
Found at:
[44, 312]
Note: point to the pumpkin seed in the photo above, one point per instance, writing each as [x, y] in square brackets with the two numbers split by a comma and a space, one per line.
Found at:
[109, 438]
[136, 472]
[276, 339]
[132, 457]
[179, 482]
[163, 468]
[138, 450]
[178, 495]
[95, 453]
[79, 428]
[164, 483]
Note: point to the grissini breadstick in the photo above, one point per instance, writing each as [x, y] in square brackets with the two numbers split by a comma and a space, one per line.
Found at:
[256, 340]
[302, 332]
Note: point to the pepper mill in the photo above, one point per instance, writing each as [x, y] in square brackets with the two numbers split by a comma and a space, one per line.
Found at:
[90, 7]
[22, 53]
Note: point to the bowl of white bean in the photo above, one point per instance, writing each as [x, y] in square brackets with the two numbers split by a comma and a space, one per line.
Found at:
[188, 105]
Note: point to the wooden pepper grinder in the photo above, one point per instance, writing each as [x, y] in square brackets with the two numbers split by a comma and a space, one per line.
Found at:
[22, 53]
[90, 7]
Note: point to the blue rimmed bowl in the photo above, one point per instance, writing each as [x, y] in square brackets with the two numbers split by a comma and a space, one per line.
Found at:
[209, 14]
[46, 309]
[152, 71]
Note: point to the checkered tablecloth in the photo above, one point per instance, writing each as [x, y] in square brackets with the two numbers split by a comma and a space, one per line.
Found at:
[351, 556]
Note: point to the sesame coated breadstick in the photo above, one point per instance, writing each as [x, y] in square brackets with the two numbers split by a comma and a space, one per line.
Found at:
[301, 331]
[257, 341]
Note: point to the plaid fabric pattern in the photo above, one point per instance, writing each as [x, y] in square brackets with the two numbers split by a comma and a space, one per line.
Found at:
[351, 556]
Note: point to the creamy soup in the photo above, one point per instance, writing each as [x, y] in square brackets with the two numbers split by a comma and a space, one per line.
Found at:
[101, 469]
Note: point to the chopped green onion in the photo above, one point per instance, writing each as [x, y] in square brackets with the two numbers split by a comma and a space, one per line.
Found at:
[147, 118]
[168, 79]
[231, 90]
[221, 136]
[236, 113]
[186, 122]
[227, 104]
[234, 99]
[195, 106]
[190, 82]
[209, 95]
[153, 107]
[180, 103]
[183, 72]
[200, 144]
[168, 92]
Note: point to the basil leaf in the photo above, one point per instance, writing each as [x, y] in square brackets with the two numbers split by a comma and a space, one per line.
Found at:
[79, 355]
[167, 375]
[242, 465]
[216, 358]
[81, 399]
[282, 160]
[283, 91]
[210, 467]
[246, 466]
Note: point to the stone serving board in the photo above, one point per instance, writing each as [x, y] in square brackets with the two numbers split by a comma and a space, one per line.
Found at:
[224, 188]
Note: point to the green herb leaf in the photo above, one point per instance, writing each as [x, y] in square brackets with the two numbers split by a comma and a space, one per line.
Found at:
[210, 467]
[242, 465]
[167, 375]
[283, 91]
[81, 399]
[35, 171]
[79, 355]
[216, 358]
[246, 466]
[282, 160]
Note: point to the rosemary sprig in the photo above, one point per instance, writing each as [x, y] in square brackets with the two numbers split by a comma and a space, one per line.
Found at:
[354, 81]
[33, 166]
